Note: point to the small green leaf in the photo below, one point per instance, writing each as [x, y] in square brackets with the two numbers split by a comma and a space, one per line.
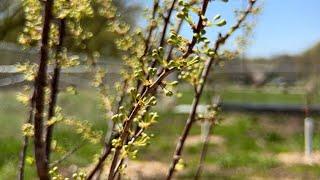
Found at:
[221, 23]
[216, 17]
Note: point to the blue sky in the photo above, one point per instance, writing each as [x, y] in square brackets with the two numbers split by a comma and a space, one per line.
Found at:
[283, 27]
[286, 26]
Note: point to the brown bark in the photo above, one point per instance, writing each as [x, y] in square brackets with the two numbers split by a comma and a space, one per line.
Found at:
[40, 84]
[108, 141]
[23, 153]
[108, 146]
[198, 92]
[54, 88]
[164, 31]
[147, 90]
[203, 152]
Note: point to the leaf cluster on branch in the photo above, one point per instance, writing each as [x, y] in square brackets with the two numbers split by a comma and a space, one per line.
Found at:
[151, 57]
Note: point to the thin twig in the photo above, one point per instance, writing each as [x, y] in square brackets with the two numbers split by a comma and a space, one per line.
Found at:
[108, 139]
[133, 139]
[148, 39]
[191, 119]
[55, 87]
[172, 47]
[155, 7]
[152, 27]
[67, 155]
[127, 124]
[23, 153]
[166, 23]
[204, 152]
[147, 90]
[164, 32]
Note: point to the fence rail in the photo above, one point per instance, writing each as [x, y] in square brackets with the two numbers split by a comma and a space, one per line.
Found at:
[256, 108]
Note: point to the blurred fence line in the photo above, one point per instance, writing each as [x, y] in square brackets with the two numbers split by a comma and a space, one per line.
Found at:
[247, 72]
[10, 75]
[254, 108]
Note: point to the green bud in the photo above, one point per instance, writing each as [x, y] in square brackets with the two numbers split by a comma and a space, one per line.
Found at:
[115, 117]
[211, 53]
[154, 53]
[152, 71]
[184, 9]
[221, 23]
[121, 115]
[216, 17]
[174, 83]
[203, 18]
[132, 90]
[167, 92]
[170, 41]
[160, 50]
[172, 35]
[180, 15]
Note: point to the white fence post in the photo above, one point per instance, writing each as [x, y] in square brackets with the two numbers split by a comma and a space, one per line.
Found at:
[308, 135]
[205, 130]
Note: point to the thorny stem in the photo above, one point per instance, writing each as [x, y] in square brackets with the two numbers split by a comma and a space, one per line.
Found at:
[55, 88]
[40, 84]
[220, 41]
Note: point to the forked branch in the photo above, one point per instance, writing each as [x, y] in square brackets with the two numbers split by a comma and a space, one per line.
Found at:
[191, 119]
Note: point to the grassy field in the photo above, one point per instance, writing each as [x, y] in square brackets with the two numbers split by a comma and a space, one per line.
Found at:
[247, 145]
[255, 96]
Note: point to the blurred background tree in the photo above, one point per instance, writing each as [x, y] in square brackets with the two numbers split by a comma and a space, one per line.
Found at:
[12, 21]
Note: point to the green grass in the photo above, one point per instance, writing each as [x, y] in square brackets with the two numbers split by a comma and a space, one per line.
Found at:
[253, 96]
[12, 114]
[251, 141]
